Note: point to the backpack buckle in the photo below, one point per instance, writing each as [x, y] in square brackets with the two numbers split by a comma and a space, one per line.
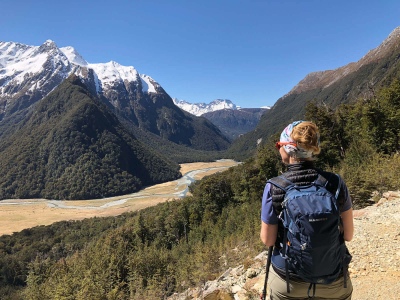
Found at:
[303, 246]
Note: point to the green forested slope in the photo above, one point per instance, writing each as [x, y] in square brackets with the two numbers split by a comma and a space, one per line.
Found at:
[155, 113]
[71, 146]
[178, 153]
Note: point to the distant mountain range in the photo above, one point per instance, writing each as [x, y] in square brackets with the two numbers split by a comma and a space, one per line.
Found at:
[199, 109]
[232, 120]
[235, 122]
[345, 84]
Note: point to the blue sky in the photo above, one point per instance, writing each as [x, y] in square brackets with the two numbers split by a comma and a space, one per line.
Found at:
[252, 52]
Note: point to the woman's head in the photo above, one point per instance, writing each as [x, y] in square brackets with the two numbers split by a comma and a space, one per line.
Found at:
[300, 140]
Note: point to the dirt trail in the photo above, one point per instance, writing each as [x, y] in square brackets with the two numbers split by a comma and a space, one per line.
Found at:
[375, 269]
[18, 214]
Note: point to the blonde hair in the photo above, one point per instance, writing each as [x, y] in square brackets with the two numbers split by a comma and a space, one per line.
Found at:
[306, 135]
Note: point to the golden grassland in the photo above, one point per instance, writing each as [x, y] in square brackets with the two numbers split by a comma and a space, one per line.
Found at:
[18, 214]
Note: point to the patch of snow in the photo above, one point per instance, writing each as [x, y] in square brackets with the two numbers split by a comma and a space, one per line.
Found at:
[73, 56]
[113, 71]
[147, 84]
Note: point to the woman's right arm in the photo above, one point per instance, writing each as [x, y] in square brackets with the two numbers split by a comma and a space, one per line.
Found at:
[348, 224]
[268, 234]
[269, 220]
[347, 213]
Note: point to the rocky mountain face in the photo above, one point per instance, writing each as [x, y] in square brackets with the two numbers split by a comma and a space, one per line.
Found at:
[28, 73]
[374, 261]
[333, 87]
[234, 123]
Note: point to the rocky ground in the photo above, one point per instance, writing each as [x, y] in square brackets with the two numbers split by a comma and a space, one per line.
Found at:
[375, 268]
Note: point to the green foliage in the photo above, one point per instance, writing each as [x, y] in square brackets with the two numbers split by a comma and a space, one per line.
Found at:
[331, 133]
[146, 255]
[361, 141]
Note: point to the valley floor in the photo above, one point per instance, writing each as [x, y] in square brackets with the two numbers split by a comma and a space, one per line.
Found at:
[18, 214]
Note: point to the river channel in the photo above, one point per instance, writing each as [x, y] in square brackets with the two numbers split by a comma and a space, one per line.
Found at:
[18, 214]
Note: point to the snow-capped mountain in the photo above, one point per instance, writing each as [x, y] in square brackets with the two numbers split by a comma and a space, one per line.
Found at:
[28, 73]
[198, 109]
[232, 120]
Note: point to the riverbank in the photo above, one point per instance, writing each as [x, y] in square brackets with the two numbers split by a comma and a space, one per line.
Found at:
[18, 214]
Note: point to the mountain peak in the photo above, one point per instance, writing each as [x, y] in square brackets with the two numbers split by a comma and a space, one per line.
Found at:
[48, 45]
[73, 56]
[68, 124]
[36, 70]
[112, 71]
[49, 42]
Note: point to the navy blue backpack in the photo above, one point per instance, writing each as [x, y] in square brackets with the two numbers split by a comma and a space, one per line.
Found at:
[313, 246]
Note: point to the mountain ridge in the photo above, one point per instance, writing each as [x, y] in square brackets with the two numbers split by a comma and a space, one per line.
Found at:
[378, 68]
[199, 109]
[28, 73]
[324, 79]
[235, 122]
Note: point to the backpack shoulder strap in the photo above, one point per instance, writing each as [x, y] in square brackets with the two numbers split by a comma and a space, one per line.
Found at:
[281, 182]
[322, 181]
[339, 186]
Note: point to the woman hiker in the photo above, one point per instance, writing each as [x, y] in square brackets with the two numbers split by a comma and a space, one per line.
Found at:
[298, 146]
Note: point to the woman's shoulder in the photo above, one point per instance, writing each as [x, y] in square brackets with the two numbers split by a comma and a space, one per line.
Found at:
[328, 175]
